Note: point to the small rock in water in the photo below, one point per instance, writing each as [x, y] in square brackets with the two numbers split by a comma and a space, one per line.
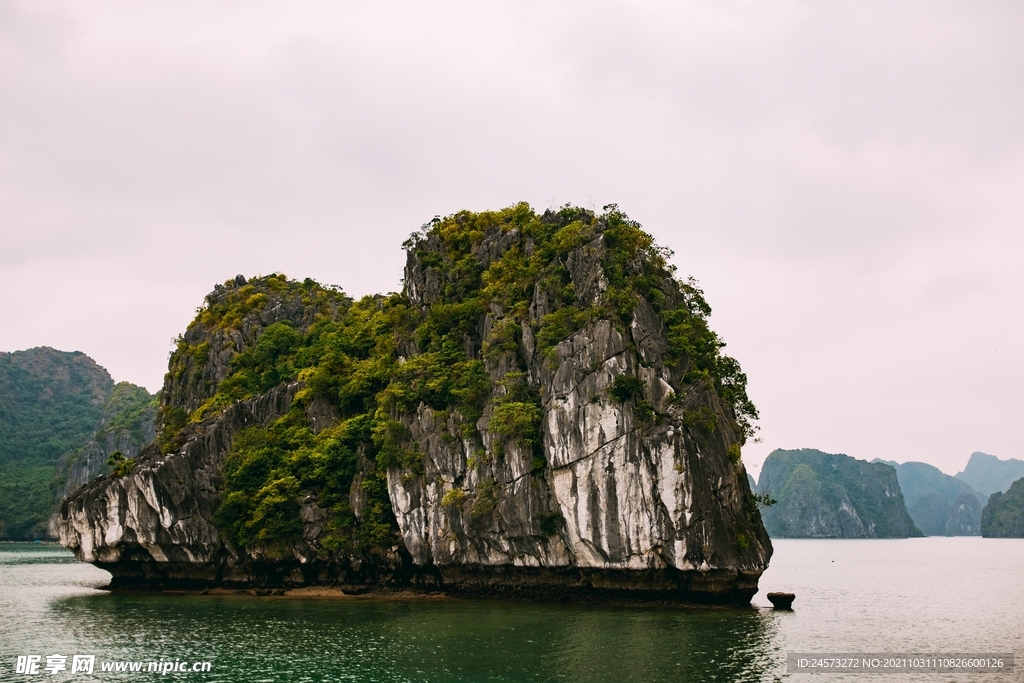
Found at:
[782, 600]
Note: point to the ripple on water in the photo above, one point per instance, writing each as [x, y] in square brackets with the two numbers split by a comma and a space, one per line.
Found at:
[926, 595]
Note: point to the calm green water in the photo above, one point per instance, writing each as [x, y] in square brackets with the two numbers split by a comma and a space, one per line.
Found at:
[917, 595]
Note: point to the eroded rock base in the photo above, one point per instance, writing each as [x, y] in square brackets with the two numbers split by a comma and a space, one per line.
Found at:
[668, 586]
[717, 587]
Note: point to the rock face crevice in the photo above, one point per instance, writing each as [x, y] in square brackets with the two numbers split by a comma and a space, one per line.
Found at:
[590, 467]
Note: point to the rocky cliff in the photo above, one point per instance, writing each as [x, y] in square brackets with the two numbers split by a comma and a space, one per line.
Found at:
[1003, 516]
[543, 411]
[825, 495]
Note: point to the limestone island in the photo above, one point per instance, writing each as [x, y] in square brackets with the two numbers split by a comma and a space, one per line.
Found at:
[543, 412]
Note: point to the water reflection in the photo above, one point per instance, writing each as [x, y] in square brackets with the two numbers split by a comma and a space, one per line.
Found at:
[712, 645]
[252, 639]
[53, 606]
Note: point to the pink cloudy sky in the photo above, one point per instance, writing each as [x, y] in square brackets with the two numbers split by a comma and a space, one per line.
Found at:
[845, 179]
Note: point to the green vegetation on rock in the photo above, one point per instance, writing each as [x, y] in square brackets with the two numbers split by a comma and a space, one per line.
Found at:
[127, 412]
[508, 285]
[1003, 516]
[120, 465]
[343, 355]
[345, 361]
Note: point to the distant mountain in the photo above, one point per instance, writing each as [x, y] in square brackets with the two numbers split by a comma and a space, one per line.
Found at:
[1004, 515]
[988, 474]
[825, 495]
[930, 494]
[127, 426]
[964, 518]
[50, 401]
[53, 405]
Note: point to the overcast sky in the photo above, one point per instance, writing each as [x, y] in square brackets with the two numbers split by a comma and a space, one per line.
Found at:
[845, 179]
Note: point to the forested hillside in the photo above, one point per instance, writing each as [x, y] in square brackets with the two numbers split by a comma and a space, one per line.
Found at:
[61, 416]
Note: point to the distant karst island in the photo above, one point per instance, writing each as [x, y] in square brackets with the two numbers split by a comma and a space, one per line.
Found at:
[1003, 516]
[827, 495]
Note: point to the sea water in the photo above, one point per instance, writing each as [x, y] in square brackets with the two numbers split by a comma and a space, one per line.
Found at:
[928, 595]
